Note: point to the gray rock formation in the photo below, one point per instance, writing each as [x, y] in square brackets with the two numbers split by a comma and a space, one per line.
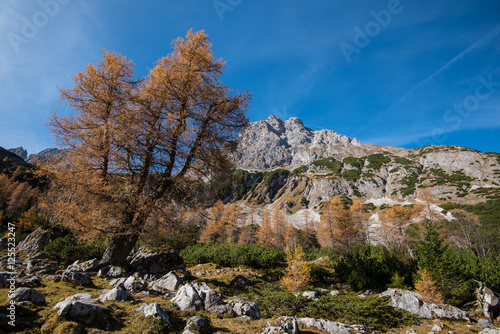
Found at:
[330, 326]
[196, 324]
[80, 307]
[7, 278]
[52, 154]
[7, 155]
[131, 283]
[145, 261]
[273, 142]
[119, 293]
[75, 277]
[89, 265]
[240, 282]
[266, 145]
[37, 264]
[168, 282]
[193, 297]
[187, 298]
[488, 301]
[35, 242]
[20, 151]
[29, 280]
[28, 294]
[153, 310]
[484, 323]
[312, 295]
[490, 331]
[412, 302]
[240, 308]
[286, 325]
[115, 272]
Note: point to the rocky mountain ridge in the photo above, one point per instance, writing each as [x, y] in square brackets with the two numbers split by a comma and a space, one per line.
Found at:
[273, 142]
[286, 163]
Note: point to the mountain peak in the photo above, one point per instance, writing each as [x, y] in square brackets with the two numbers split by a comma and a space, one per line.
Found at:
[274, 142]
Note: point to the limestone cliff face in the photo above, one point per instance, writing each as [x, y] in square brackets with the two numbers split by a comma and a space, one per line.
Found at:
[295, 162]
[20, 151]
[47, 154]
[274, 142]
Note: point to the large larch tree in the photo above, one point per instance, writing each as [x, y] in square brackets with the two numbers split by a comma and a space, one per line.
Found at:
[136, 144]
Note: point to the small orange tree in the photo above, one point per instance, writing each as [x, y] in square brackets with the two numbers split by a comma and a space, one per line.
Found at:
[341, 225]
[427, 288]
[298, 273]
[397, 219]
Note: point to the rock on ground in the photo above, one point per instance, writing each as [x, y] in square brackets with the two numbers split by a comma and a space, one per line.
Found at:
[330, 326]
[197, 321]
[153, 310]
[28, 294]
[168, 282]
[187, 298]
[145, 261]
[79, 307]
[241, 308]
[193, 297]
[286, 325]
[119, 293]
[488, 301]
[130, 283]
[75, 277]
[411, 302]
[490, 331]
[312, 295]
[240, 282]
[35, 242]
[89, 265]
[6, 277]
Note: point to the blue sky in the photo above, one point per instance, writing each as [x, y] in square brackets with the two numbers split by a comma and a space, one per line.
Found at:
[402, 73]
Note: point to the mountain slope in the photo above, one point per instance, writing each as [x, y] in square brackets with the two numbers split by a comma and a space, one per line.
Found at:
[283, 161]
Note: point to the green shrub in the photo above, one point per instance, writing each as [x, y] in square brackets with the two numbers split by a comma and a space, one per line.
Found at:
[369, 206]
[40, 222]
[330, 164]
[315, 253]
[410, 182]
[354, 162]
[275, 301]
[352, 174]
[227, 255]
[377, 160]
[371, 311]
[269, 176]
[245, 182]
[298, 170]
[488, 212]
[371, 267]
[67, 249]
[402, 161]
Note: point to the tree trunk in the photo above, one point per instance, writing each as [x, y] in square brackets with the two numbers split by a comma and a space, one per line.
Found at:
[118, 248]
